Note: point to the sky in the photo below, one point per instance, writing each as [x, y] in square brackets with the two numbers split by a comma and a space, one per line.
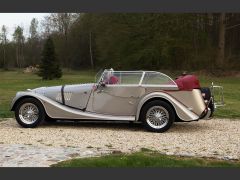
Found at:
[12, 20]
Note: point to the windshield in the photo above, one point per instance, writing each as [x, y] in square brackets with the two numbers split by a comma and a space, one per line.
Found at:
[98, 75]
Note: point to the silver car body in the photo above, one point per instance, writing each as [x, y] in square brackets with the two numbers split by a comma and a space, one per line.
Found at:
[117, 101]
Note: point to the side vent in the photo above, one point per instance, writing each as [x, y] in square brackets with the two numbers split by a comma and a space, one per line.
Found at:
[67, 96]
[59, 97]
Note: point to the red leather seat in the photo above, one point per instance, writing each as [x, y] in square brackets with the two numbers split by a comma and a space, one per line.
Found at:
[113, 80]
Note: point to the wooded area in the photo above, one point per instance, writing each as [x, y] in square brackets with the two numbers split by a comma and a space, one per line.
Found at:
[129, 41]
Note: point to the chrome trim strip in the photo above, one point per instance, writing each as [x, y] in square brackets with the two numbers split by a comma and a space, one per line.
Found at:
[141, 80]
[207, 115]
[165, 86]
[142, 85]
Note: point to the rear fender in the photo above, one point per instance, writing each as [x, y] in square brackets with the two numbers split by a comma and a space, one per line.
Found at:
[182, 111]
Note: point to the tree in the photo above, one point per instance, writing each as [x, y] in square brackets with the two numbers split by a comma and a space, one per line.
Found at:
[221, 41]
[59, 24]
[19, 40]
[33, 29]
[49, 67]
[90, 49]
[191, 41]
[33, 45]
[3, 39]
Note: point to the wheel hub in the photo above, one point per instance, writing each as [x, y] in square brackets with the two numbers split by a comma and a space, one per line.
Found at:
[158, 115]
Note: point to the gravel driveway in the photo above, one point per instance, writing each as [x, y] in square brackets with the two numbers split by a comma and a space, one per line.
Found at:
[50, 143]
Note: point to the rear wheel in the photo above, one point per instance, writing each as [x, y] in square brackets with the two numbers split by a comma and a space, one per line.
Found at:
[208, 96]
[157, 116]
[211, 106]
[29, 112]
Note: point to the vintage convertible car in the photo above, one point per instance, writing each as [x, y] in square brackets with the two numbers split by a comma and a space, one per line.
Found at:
[150, 97]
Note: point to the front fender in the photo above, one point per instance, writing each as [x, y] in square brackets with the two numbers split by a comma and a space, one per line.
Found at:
[182, 111]
[25, 94]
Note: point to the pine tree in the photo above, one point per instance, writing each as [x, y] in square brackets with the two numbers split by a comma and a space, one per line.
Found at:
[49, 67]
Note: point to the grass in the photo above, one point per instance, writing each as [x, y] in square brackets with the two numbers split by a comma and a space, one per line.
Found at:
[231, 92]
[145, 159]
[13, 81]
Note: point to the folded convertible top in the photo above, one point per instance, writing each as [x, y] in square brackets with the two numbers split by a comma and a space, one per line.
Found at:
[187, 82]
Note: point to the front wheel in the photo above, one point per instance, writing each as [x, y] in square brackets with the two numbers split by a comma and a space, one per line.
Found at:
[29, 112]
[157, 116]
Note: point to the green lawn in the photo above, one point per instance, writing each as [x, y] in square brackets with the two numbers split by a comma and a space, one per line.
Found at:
[13, 81]
[145, 159]
[231, 92]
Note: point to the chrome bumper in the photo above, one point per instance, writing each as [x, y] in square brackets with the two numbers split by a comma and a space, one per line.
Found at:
[217, 94]
[207, 116]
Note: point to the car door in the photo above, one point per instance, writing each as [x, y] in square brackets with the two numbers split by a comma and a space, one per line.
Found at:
[116, 99]
[77, 96]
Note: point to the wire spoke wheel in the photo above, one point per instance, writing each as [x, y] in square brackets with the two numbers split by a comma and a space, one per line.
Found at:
[157, 117]
[28, 113]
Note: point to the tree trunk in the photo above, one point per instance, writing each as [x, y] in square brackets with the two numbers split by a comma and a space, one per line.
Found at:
[17, 57]
[22, 54]
[90, 49]
[67, 56]
[4, 58]
[221, 42]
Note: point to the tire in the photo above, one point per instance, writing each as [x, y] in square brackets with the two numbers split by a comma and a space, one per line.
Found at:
[29, 113]
[207, 92]
[211, 106]
[208, 96]
[156, 109]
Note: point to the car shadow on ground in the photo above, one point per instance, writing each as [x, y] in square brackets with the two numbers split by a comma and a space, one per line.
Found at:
[95, 124]
[180, 127]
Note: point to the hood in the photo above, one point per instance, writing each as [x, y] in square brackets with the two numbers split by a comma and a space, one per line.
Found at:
[55, 92]
[43, 90]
